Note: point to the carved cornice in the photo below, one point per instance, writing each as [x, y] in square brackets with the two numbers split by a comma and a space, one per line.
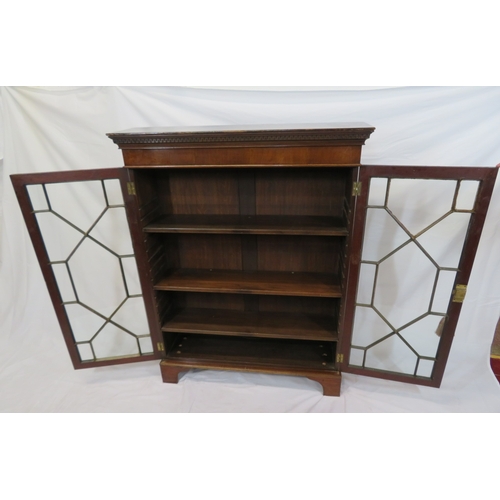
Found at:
[347, 135]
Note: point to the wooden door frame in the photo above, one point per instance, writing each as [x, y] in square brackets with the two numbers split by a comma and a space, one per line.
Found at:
[20, 183]
[486, 176]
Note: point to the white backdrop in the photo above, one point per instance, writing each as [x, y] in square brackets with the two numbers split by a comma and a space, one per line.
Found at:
[47, 129]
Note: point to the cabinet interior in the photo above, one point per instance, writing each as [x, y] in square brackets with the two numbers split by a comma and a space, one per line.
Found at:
[241, 255]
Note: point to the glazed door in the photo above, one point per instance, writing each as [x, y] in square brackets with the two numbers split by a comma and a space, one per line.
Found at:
[415, 235]
[81, 225]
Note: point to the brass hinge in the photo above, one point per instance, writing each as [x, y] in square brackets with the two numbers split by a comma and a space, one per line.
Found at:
[340, 358]
[131, 188]
[356, 188]
[160, 346]
[459, 293]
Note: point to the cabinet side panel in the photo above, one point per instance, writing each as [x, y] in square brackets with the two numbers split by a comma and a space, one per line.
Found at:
[151, 198]
[347, 255]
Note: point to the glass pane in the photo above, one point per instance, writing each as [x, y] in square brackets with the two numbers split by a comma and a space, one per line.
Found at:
[411, 249]
[424, 335]
[444, 289]
[417, 203]
[85, 231]
[79, 203]
[467, 195]
[112, 231]
[113, 192]
[112, 341]
[60, 239]
[378, 191]
[392, 354]
[445, 240]
[145, 345]
[132, 316]
[98, 278]
[369, 327]
[425, 368]
[64, 282]
[37, 197]
[379, 221]
[131, 275]
[85, 352]
[356, 357]
[84, 323]
[366, 283]
[404, 286]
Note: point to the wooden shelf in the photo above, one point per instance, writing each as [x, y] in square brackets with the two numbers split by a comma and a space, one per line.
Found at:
[252, 352]
[248, 224]
[251, 282]
[256, 324]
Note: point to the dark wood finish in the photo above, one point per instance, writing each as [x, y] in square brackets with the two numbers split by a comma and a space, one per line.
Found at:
[19, 181]
[288, 357]
[258, 157]
[304, 191]
[170, 373]
[330, 382]
[428, 172]
[296, 145]
[215, 135]
[200, 251]
[253, 324]
[209, 192]
[243, 194]
[276, 145]
[156, 258]
[199, 300]
[253, 351]
[300, 192]
[346, 256]
[321, 306]
[248, 282]
[215, 202]
[146, 266]
[312, 254]
[495, 366]
[249, 245]
[249, 224]
[246, 192]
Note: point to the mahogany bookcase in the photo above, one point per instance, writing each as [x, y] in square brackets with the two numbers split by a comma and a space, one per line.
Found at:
[263, 249]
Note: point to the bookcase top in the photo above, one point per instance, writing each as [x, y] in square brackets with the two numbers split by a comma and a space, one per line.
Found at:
[279, 133]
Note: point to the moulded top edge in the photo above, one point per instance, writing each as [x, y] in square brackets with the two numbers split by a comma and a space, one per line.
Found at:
[243, 133]
[243, 128]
